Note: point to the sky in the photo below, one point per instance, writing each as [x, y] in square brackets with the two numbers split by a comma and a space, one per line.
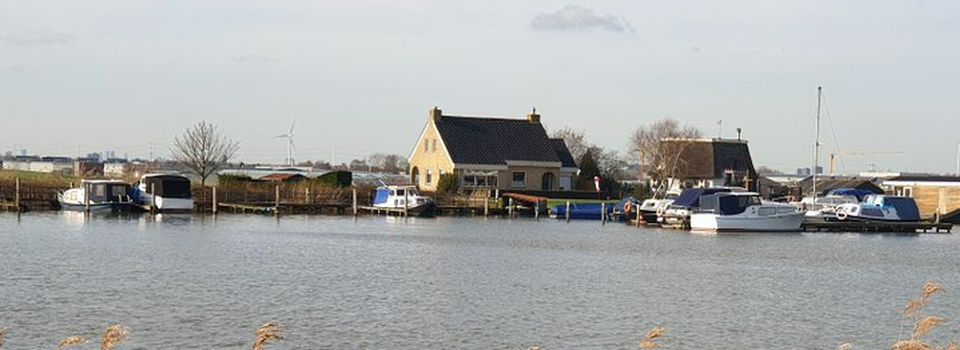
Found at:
[360, 76]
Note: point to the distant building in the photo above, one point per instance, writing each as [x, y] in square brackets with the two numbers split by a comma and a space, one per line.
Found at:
[40, 164]
[715, 162]
[484, 152]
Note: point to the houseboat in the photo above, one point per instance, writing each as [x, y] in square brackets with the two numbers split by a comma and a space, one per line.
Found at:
[404, 197]
[743, 212]
[97, 195]
[163, 193]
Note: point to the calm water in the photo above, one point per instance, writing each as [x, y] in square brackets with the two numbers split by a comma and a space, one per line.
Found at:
[191, 282]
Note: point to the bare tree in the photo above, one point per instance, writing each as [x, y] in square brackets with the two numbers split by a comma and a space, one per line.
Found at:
[203, 150]
[574, 139]
[662, 160]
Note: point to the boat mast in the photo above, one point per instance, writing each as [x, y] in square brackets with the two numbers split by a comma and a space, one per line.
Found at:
[816, 145]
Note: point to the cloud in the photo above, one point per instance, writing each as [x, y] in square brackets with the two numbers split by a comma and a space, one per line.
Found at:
[574, 17]
[33, 37]
[254, 58]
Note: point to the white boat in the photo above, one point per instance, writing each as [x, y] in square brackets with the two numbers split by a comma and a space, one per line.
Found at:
[676, 214]
[824, 208]
[403, 198]
[650, 208]
[880, 207]
[163, 193]
[744, 212]
[97, 195]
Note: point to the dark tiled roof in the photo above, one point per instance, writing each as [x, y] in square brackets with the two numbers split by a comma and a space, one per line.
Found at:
[563, 153]
[494, 140]
[926, 178]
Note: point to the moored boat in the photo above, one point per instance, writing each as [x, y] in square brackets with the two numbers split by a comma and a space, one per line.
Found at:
[650, 207]
[677, 213]
[404, 197]
[744, 212]
[880, 208]
[163, 193]
[97, 195]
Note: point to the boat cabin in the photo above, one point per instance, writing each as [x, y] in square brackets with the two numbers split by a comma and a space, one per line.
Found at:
[166, 186]
[98, 191]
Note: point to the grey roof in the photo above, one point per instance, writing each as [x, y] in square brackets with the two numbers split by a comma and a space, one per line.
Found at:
[494, 140]
[930, 178]
[560, 147]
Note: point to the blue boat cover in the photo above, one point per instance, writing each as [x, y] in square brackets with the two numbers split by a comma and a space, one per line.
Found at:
[851, 192]
[691, 197]
[906, 207]
[589, 211]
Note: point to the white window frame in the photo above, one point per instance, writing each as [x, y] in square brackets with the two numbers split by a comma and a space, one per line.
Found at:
[513, 178]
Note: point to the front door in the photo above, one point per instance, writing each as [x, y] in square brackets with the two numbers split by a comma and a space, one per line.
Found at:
[547, 182]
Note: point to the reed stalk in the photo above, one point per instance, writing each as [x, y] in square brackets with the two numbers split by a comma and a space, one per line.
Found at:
[71, 340]
[113, 335]
[648, 340]
[3, 332]
[268, 332]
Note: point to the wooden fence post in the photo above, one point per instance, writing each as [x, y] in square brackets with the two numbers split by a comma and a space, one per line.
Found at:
[510, 207]
[214, 209]
[354, 201]
[16, 201]
[406, 204]
[276, 205]
[603, 213]
[567, 213]
[486, 204]
[536, 210]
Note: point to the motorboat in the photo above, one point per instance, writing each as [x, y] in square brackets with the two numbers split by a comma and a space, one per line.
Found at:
[824, 208]
[677, 213]
[97, 195]
[744, 212]
[163, 193]
[879, 207]
[650, 207]
[403, 197]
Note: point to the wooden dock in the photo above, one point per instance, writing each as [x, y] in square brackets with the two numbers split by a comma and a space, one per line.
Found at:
[873, 226]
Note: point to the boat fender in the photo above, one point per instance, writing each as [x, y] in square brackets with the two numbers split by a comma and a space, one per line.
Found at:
[660, 210]
[841, 214]
[627, 206]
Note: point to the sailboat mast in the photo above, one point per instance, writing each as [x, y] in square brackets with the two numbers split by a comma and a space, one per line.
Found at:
[816, 145]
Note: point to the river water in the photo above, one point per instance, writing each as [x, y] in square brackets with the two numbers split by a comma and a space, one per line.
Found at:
[194, 282]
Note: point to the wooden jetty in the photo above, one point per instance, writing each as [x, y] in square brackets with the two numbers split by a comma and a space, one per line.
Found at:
[875, 226]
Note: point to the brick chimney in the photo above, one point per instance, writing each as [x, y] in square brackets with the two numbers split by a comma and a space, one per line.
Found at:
[435, 114]
[533, 117]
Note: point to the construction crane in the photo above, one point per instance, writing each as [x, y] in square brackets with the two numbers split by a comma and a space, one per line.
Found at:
[834, 154]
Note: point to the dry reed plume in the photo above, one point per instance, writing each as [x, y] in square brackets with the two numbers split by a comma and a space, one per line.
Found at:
[268, 332]
[922, 325]
[3, 331]
[113, 335]
[73, 340]
[647, 341]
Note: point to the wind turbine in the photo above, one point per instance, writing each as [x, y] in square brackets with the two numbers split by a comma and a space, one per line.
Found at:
[290, 146]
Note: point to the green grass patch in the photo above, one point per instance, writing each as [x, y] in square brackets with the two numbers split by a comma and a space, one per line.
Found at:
[34, 177]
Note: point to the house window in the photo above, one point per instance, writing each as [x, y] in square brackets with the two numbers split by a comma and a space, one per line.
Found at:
[908, 191]
[426, 145]
[519, 179]
[434, 145]
[429, 176]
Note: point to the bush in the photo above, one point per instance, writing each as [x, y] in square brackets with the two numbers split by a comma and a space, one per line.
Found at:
[449, 183]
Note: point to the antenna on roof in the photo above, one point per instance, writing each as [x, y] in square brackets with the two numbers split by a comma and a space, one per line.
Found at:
[534, 110]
